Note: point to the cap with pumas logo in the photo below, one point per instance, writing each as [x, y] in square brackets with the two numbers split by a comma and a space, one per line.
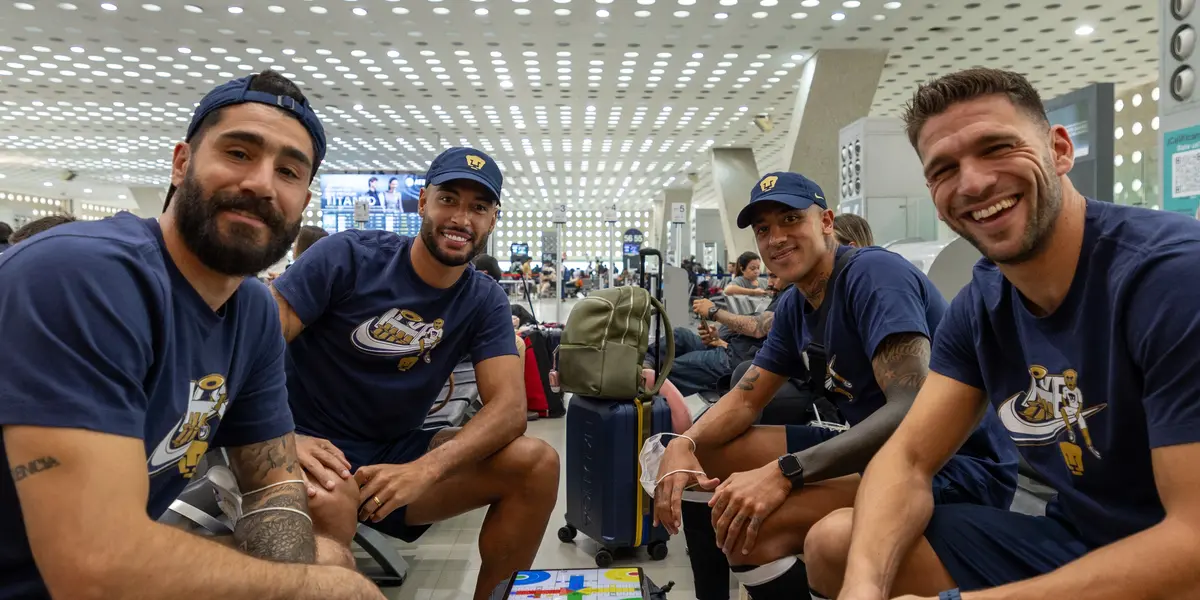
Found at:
[790, 189]
[466, 163]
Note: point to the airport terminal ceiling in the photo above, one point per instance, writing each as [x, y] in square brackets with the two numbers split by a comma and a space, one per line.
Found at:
[579, 100]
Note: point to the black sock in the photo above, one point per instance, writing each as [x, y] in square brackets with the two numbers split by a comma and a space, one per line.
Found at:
[778, 579]
[816, 595]
[710, 568]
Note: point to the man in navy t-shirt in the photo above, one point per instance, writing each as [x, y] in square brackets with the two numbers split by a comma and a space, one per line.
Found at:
[874, 324]
[376, 323]
[1081, 330]
[133, 346]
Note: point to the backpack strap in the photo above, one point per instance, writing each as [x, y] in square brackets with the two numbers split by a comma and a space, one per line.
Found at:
[816, 348]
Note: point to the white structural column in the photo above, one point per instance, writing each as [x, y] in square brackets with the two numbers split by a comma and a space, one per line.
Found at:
[734, 174]
[149, 200]
[668, 204]
[836, 88]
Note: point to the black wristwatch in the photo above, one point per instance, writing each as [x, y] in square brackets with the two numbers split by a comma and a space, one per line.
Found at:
[792, 469]
[950, 595]
[712, 312]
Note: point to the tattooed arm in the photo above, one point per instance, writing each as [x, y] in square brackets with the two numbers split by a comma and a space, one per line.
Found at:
[736, 411]
[901, 364]
[278, 535]
[755, 326]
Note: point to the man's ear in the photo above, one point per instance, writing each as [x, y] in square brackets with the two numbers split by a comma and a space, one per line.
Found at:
[1063, 149]
[421, 202]
[826, 221]
[179, 162]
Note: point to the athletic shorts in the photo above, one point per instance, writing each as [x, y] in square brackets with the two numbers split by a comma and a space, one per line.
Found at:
[984, 547]
[406, 449]
[984, 490]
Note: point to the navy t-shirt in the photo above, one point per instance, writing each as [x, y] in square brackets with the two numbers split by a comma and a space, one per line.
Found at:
[878, 294]
[379, 343]
[102, 332]
[1089, 390]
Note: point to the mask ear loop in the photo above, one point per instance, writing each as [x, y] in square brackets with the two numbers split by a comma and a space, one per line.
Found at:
[660, 479]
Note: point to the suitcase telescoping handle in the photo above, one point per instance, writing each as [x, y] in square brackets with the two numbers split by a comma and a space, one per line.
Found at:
[656, 296]
[645, 275]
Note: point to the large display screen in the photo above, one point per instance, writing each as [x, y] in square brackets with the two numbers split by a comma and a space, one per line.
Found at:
[392, 200]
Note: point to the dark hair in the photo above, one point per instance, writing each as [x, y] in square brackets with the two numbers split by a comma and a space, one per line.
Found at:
[309, 235]
[268, 81]
[372, 180]
[390, 181]
[488, 264]
[848, 228]
[934, 97]
[743, 261]
[33, 228]
[5, 231]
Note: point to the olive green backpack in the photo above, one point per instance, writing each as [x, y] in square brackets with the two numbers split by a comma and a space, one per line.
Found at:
[605, 341]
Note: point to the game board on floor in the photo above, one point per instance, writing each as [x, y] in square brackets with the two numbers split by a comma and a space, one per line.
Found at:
[577, 584]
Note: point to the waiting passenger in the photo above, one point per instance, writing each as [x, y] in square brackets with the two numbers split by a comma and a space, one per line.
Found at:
[745, 277]
[309, 235]
[852, 230]
[776, 482]
[376, 323]
[5, 231]
[133, 346]
[1078, 308]
[35, 227]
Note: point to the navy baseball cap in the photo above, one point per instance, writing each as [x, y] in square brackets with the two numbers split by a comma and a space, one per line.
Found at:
[466, 163]
[789, 189]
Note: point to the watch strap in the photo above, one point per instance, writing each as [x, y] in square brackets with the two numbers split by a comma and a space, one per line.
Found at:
[712, 312]
[950, 595]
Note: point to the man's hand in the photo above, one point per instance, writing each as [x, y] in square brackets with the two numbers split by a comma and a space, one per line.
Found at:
[322, 462]
[701, 307]
[384, 488]
[710, 337]
[743, 502]
[668, 494]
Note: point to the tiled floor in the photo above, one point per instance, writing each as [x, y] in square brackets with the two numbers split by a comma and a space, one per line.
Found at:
[445, 561]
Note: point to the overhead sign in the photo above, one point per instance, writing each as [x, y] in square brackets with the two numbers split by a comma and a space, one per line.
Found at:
[611, 214]
[362, 211]
[631, 242]
[678, 212]
[558, 213]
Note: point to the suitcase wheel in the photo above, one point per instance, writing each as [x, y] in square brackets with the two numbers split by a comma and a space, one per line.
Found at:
[566, 533]
[658, 550]
[604, 558]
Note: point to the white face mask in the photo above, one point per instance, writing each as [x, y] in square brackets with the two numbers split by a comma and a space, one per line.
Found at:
[651, 457]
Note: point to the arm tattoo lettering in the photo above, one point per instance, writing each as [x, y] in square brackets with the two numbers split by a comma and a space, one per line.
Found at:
[746, 384]
[34, 467]
[901, 365]
[757, 326]
[277, 535]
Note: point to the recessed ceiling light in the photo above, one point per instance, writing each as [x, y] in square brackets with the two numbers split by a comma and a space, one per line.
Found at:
[641, 13]
[66, 6]
[891, 5]
[400, 10]
[852, 4]
[562, 12]
[362, 12]
[682, 13]
[47, 184]
[441, 10]
[810, 3]
[768, 2]
[235, 10]
[276, 9]
[108, 6]
[728, 2]
[721, 16]
[524, 12]
[837, 16]
[23, 5]
[1084, 30]
[192, 8]
[686, 2]
[879, 17]
[603, 14]
[320, 10]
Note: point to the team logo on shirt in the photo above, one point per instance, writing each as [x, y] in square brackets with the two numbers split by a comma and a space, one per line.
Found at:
[1053, 405]
[398, 333]
[836, 383]
[186, 443]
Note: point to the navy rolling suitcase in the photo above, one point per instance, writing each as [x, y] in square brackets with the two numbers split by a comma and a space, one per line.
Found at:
[604, 499]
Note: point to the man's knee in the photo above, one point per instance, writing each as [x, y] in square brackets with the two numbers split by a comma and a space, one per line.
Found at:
[334, 553]
[534, 461]
[335, 513]
[826, 548]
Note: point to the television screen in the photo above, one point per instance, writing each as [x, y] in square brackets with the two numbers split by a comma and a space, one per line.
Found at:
[392, 199]
[519, 249]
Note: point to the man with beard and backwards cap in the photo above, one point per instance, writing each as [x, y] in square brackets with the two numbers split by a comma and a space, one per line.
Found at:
[376, 323]
[134, 346]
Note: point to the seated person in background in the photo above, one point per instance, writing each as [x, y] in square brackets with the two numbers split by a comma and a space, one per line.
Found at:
[773, 483]
[852, 230]
[376, 323]
[5, 231]
[488, 265]
[1080, 328]
[745, 277]
[147, 346]
[33, 228]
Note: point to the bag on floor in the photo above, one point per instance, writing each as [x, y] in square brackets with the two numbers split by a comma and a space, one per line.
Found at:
[605, 341]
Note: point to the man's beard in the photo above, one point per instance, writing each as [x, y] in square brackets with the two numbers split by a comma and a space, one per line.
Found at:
[429, 237]
[1040, 227]
[239, 255]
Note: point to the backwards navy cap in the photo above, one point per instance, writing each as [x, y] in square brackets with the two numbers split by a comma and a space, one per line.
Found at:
[466, 163]
[789, 189]
[238, 92]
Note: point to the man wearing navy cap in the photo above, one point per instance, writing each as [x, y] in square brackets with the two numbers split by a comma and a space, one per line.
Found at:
[135, 346]
[376, 323]
[862, 319]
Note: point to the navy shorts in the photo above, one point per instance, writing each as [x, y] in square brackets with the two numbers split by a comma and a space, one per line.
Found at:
[984, 547]
[406, 449]
[983, 490]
